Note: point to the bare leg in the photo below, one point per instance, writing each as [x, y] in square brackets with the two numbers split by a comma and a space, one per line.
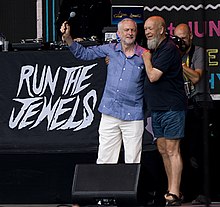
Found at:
[170, 152]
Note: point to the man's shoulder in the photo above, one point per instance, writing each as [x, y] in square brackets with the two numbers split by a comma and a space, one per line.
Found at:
[140, 47]
[167, 43]
[168, 47]
[199, 48]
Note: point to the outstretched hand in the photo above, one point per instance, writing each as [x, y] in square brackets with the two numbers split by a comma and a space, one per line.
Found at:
[65, 30]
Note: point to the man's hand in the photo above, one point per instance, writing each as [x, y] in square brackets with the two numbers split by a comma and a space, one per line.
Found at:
[146, 54]
[65, 30]
[107, 60]
[153, 73]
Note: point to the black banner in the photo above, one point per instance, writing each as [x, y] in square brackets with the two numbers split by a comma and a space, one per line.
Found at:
[49, 101]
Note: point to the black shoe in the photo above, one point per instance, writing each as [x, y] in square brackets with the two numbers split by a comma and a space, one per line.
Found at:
[175, 201]
[201, 199]
[181, 197]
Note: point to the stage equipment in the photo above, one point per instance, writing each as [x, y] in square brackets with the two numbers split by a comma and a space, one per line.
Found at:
[110, 34]
[39, 45]
[105, 184]
[90, 17]
[119, 12]
[2, 39]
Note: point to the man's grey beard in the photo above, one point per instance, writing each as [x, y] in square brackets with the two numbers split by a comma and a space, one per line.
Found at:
[152, 44]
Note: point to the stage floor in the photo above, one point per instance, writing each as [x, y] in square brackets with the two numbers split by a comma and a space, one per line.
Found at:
[213, 204]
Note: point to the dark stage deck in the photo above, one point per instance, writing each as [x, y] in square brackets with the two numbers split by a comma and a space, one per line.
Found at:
[213, 204]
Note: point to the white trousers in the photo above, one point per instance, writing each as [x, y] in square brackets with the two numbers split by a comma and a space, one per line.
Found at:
[112, 133]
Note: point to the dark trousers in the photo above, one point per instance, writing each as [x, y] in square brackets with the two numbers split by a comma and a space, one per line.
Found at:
[192, 149]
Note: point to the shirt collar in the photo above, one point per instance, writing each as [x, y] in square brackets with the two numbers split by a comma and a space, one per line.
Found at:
[137, 51]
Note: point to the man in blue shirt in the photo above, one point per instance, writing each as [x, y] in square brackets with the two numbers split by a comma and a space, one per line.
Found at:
[167, 101]
[122, 102]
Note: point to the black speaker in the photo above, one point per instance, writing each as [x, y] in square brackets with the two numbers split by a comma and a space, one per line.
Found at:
[105, 184]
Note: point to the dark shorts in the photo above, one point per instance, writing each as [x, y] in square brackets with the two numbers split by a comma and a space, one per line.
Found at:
[168, 124]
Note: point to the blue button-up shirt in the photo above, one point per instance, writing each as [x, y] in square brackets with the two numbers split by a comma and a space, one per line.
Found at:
[124, 89]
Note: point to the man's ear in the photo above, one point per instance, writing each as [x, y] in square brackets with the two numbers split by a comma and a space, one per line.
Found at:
[162, 30]
[191, 35]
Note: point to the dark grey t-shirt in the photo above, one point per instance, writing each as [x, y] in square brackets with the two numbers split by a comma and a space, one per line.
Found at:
[197, 61]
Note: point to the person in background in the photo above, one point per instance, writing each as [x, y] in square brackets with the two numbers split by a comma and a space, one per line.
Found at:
[167, 101]
[121, 105]
[194, 75]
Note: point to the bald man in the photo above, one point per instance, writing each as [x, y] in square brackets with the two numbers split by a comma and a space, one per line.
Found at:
[167, 101]
[194, 69]
[194, 77]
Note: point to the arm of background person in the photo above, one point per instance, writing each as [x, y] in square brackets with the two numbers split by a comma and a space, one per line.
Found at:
[197, 66]
[193, 75]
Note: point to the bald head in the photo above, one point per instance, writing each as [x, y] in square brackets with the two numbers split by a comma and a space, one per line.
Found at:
[183, 28]
[156, 20]
[183, 31]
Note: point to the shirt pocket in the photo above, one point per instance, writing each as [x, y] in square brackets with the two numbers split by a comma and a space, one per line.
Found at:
[137, 73]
